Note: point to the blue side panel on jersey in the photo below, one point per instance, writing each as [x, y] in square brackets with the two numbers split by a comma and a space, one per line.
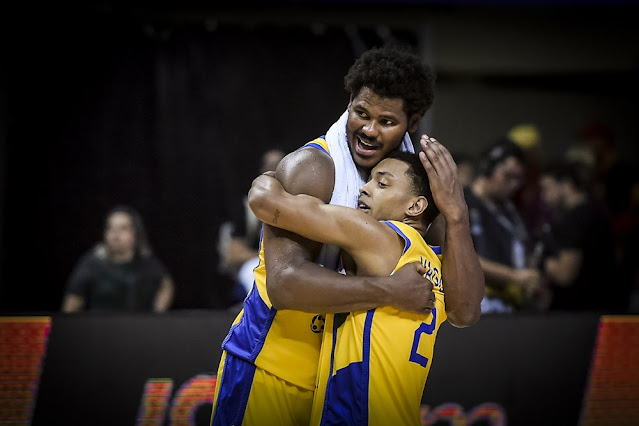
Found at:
[347, 392]
[235, 387]
[436, 249]
[401, 234]
[246, 338]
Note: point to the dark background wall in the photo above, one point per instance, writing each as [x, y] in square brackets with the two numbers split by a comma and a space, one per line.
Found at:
[168, 108]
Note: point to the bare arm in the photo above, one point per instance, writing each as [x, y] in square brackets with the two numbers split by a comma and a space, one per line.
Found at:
[164, 295]
[461, 271]
[527, 278]
[239, 252]
[72, 303]
[370, 242]
[294, 281]
[563, 269]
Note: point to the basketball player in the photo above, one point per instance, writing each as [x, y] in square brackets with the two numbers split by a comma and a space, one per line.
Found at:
[270, 357]
[380, 358]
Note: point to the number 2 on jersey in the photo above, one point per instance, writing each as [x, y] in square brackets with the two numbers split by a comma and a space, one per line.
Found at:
[423, 328]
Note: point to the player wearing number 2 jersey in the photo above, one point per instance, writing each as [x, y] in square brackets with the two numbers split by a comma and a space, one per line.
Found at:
[375, 367]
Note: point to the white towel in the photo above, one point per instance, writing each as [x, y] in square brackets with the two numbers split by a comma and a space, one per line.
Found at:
[348, 180]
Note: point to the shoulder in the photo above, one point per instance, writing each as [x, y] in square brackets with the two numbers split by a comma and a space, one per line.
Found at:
[406, 232]
[92, 257]
[308, 170]
[401, 228]
[151, 262]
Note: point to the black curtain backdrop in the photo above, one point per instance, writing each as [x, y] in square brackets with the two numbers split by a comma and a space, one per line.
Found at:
[105, 108]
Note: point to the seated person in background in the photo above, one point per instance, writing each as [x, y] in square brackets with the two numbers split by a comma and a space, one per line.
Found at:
[240, 238]
[499, 234]
[120, 273]
[580, 257]
[380, 358]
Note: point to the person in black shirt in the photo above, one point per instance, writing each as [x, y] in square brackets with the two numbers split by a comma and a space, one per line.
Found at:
[120, 273]
[499, 234]
[580, 262]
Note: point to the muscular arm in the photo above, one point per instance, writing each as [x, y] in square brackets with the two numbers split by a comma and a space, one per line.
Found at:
[461, 271]
[374, 246]
[294, 281]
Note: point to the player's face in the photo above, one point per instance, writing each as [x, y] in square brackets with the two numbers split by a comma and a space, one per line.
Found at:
[376, 126]
[387, 194]
[119, 234]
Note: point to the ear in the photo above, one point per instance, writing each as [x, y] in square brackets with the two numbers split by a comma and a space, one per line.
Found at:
[413, 122]
[417, 207]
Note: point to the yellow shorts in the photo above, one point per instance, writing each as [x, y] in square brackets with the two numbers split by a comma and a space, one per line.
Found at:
[248, 395]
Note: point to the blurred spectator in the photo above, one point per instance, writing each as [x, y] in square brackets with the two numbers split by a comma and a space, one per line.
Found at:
[499, 233]
[528, 198]
[613, 175]
[580, 247]
[120, 273]
[465, 168]
[626, 227]
[239, 238]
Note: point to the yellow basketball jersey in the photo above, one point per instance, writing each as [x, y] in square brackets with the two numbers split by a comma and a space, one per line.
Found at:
[284, 343]
[379, 359]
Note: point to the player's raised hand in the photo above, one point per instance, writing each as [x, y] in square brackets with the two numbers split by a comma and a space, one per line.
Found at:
[448, 192]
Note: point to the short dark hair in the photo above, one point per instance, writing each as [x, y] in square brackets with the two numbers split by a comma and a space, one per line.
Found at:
[420, 184]
[496, 154]
[579, 175]
[394, 72]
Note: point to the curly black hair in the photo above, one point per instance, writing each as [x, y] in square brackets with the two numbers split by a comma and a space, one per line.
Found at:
[394, 72]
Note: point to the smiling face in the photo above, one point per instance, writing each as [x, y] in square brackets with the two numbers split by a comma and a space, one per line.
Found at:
[388, 193]
[376, 126]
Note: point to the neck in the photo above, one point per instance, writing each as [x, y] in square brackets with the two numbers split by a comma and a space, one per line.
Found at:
[122, 257]
[417, 224]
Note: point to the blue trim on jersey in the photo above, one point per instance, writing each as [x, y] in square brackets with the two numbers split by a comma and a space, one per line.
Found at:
[330, 381]
[346, 399]
[315, 145]
[436, 249]
[232, 398]
[318, 146]
[246, 338]
[407, 242]
[368, 325]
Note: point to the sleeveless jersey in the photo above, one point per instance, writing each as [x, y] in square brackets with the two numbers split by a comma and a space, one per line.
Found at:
[378, 360]
[284, 343]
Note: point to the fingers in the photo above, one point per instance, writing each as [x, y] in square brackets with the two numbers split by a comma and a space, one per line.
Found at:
[440, 158]
[421, 270]
[440, 150]
[430, 302]
[428, 166]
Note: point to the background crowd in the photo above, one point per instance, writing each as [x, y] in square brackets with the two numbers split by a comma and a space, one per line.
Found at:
[169, 118]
